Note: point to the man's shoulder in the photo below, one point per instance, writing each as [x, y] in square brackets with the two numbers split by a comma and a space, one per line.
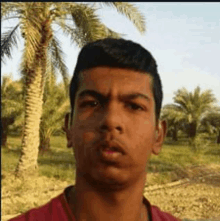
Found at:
[159, 215]
[56, 209]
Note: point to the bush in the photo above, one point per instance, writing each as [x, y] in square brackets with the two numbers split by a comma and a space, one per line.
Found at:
[200, 143]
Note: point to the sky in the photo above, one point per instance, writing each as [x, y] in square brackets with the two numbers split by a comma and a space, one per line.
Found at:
[184, 38]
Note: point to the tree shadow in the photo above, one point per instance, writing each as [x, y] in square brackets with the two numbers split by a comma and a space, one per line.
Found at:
[57, 158]
[15, 152]
[159, 166]
[207, 176]
[213, 151]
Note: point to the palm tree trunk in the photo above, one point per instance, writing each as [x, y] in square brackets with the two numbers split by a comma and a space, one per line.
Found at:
[35, 77]
[192, 135]
[192, 130]
[33, 109]
[44, 143]
[174, 135]
[3, 139]
[3, 134]
[5, 122]
[218, 137]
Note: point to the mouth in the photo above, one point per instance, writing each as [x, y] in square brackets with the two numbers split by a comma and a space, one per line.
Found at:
[111, 151]
[112, 147]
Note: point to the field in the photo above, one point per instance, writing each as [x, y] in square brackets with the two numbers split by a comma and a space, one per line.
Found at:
[56, 171]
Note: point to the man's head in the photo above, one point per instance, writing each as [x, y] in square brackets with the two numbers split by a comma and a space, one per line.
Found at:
[116, 99]
[122, 54]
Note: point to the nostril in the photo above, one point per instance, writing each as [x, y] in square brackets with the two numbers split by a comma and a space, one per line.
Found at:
[119, 128]
[104, 128]
[110, 128]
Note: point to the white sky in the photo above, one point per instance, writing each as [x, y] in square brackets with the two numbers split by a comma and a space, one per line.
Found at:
[184, 38]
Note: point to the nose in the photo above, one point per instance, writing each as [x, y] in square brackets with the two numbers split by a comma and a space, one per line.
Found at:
[111, 119]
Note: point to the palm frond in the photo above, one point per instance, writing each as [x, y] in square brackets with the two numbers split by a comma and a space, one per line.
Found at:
[193, 107]
[19, 120]
[51, 75]
[60, 112]
[31, 24]
[87, 21]
[131, 12]
[182, 98]
[8, 41]
[113, 34]
[10, 107]
[6, 81]
[12, 97]
[8, 8]
[173, 112]
[55, 107]
[75, 34]
[10, 89]
[57, 58]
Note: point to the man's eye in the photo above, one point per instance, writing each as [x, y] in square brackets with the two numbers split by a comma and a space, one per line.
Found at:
[134, 106]
[89, 104]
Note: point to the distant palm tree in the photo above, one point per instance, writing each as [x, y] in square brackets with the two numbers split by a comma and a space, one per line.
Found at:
[211, 123]
[56, 105]
[37, 22]
[190, 107]
[174, 120]
[12, 105]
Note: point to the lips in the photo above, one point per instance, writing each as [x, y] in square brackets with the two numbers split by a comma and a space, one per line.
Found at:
[112, 147]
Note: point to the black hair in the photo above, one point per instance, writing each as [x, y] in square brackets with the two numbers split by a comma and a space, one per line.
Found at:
[118, 53]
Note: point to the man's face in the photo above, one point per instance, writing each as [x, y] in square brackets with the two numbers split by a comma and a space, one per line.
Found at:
[113, 132]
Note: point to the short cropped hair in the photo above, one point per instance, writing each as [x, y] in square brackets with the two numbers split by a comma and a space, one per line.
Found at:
[118, 53]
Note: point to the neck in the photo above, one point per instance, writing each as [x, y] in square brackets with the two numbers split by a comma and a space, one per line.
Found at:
[88, 203]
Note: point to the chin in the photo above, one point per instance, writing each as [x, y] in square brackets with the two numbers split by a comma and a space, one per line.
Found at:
[110, 179]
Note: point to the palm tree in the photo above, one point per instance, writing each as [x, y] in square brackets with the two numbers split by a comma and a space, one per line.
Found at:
[42, 52]
[211, 123]
[12, 105]
[191, 107]
[56, 105]
[174, 120]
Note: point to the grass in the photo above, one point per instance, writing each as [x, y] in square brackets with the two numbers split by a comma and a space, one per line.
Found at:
[56, 170]
[59, 163]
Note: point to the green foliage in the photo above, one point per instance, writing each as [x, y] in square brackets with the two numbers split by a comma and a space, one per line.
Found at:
[12, 106]
[56, 105]
[200, 143]
[12, 97]
[211, 123]
[131, 12]
[188, 111]
[59, 163]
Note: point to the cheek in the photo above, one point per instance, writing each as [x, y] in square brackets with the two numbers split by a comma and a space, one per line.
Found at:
[82, 130]
[83, 138]
[142, 139]
[142, 129]
[88, 137]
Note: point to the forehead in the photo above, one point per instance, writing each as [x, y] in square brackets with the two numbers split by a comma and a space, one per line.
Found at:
[106, 79]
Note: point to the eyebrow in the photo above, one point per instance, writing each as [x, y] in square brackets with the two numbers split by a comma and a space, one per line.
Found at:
[130, 96]
[135, 95]
[91, 93]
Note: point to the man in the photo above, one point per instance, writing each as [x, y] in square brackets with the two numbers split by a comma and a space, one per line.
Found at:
[113, 128]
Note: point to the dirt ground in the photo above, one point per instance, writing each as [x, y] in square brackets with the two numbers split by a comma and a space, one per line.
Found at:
[195, 197]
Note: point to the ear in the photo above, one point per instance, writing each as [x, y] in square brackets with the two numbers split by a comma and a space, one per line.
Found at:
[66, 128]
[160, 135]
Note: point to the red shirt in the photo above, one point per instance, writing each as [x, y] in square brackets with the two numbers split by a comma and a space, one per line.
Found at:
[58, 209]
